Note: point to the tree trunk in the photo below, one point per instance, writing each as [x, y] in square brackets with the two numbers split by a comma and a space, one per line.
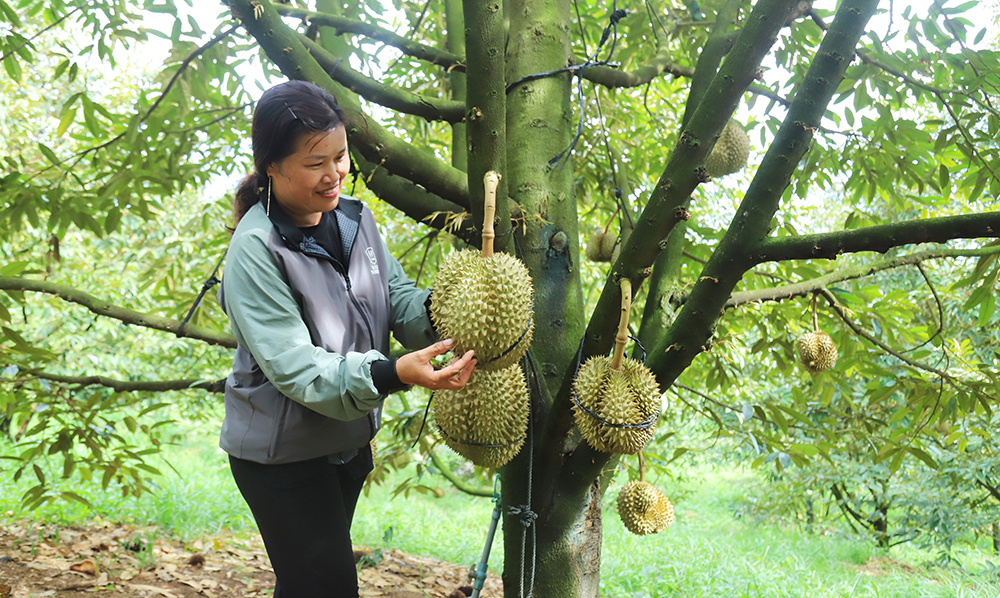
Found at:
[566, 558]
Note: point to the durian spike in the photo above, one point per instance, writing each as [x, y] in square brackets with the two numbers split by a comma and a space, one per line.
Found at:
[490, 180]
[622, 337]
[815, 319]
[642, 468]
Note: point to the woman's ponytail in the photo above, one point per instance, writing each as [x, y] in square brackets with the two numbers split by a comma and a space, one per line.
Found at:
[247, 194]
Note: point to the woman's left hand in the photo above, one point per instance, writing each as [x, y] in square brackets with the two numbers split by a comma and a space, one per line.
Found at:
[416, 368]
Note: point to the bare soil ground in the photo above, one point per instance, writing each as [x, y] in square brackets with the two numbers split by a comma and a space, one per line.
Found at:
[118, 561]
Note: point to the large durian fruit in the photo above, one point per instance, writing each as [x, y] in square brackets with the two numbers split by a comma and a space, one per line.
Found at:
[617, 390]
[730, 152]
[483, 300]
[817, 351]
[644, 509]
[601, 246]
[486, 421]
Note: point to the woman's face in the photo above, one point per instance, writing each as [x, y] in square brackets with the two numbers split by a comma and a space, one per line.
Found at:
[307, 183]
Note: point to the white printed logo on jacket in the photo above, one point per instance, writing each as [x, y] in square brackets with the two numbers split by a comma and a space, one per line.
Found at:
[371, 258]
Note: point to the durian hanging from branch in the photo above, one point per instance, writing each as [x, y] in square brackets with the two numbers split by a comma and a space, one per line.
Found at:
[642, 508]
[486, 421]
[616, 400]
[816, 349]
[484, 300]
[730, 152]
[601, 247]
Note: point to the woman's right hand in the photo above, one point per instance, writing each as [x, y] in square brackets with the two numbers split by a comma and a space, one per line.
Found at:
[416, 368]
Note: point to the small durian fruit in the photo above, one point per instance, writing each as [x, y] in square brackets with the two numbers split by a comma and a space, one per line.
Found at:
[374, 446]
[644, 509]
[486, 421]
[626, 396]
[483, 300]
[730, 152]
[601, 246]
[617, 390]
[817, 351]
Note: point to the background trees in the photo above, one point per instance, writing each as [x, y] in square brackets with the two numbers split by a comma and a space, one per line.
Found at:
[870, 136]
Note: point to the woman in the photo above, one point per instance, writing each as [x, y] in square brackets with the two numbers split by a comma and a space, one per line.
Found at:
[312, 293]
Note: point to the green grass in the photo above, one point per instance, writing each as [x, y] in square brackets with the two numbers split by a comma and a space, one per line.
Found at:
[707, 553]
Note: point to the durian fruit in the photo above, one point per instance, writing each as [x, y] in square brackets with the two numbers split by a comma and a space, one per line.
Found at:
[817, 351]
[644, 509]
[483, 301]
[730, 152]
[601, 246]
[618, 390]
[492, 409]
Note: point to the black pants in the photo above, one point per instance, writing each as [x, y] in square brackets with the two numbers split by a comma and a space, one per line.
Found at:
[304, 512]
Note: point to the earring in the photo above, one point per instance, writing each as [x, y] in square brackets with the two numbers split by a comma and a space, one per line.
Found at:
[268, 210]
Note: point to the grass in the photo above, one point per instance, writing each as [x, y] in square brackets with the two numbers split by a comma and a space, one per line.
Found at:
[708, 551]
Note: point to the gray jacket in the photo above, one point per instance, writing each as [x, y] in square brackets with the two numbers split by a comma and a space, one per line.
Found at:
[308, 329]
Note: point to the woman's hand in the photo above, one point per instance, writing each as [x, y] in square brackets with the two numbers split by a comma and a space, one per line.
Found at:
[416, 368]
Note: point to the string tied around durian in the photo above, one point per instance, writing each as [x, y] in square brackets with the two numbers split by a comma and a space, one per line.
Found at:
[478, 444]
[524, 333]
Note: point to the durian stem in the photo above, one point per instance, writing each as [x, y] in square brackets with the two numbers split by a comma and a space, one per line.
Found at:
[610, 220]
[642, 468]
[622, 337]
[815, 318]
[491, 179]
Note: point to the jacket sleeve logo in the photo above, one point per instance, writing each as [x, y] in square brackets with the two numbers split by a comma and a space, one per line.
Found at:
[371, 258]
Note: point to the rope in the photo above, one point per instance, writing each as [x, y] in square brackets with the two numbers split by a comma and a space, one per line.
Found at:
[617, 14]
[519, 339]
[523, 512]
[479, 444]
[210, 282]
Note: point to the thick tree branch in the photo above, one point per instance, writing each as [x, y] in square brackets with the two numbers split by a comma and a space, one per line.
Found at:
[376, 144]
[409, 47]
[107, 309]
[685, 170]
[805, 287]
[416, 202]
[391, 97]
[876, 238]
[693, 327]
[213, 386]
[486, 109]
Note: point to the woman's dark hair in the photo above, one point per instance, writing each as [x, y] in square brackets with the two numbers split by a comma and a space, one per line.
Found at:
[283, 114]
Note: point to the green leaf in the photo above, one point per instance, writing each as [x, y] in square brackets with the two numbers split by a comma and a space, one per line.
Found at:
[67, 495]
[12, 66]
[804, 449]
[986, 309]
[67, 119]
[113, 219]
[9, 14]
[49, 154]
[923, 456]
[109, 472]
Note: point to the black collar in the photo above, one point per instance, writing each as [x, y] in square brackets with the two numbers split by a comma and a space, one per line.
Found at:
[292, 235]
